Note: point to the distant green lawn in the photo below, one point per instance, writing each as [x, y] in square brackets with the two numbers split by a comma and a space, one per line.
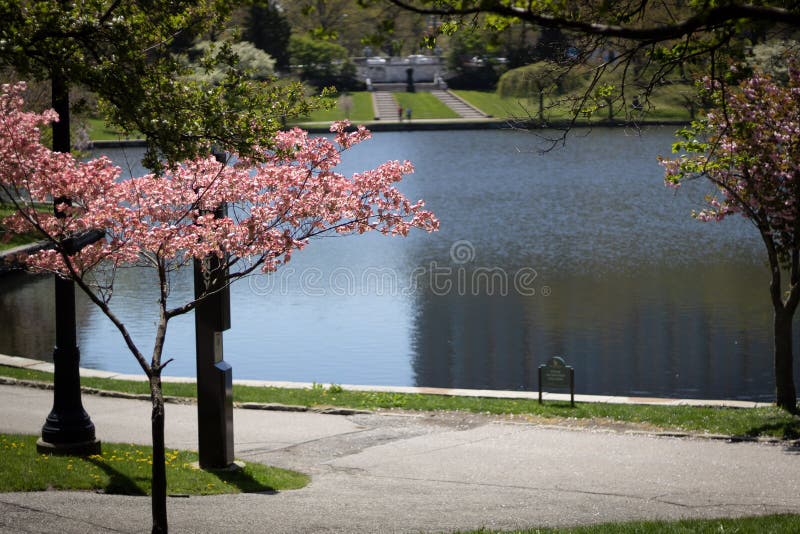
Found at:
[424, 106]
[667, 103]
[491, 104]
[100, 131]
[360, 109]
[9, 241]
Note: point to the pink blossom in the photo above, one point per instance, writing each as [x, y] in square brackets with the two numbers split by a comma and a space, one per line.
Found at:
[275, 206]
[751, 155]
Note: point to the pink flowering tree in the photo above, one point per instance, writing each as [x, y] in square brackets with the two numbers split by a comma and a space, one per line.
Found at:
[748, 146]
[276, 204]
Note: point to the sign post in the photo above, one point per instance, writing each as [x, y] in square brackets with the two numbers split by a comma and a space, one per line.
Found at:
[557, 374]
[212, 316]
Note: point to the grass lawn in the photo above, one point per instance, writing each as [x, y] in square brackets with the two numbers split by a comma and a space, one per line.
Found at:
[751, 422]
[125, 469]
[360, 110]
[424, 106]
[769, 524]
[13, 240]
[491, 104]
[668, 103]
[100, 131]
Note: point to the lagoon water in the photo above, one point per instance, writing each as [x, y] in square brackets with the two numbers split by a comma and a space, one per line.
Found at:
[579, 252]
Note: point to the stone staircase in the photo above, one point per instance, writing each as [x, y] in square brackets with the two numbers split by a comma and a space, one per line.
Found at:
[385, 105]
[462, 108]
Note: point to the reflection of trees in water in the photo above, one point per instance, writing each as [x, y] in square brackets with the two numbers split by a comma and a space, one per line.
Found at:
[471, 341]
[27, 316]
[677, 332]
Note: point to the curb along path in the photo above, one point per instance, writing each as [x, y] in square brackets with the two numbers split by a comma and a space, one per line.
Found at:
[37, 365]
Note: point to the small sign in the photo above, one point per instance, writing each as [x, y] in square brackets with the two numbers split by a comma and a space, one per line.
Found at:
[557, 374]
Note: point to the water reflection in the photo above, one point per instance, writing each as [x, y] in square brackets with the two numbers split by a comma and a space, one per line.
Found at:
[26, 313]
[603, 265]
[668, 332]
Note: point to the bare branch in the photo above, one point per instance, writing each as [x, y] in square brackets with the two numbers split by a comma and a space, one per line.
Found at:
[706, 20]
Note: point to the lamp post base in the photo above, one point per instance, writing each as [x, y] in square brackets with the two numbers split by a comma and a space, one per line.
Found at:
[81, 448]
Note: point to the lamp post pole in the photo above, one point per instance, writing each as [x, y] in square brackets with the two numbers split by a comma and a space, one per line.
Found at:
[68, 429]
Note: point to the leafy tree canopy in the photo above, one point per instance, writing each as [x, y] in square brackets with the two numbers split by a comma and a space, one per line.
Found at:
[121, 52]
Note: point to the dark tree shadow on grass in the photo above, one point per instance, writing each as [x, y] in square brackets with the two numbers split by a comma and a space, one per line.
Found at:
[118, 483]
[242, 480]
[783, 429]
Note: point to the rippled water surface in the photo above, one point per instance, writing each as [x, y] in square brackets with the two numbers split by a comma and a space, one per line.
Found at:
[579, 252]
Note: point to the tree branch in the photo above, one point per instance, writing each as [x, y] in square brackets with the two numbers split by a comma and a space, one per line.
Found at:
[705, 20]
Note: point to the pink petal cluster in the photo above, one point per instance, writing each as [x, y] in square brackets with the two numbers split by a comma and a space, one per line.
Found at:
[751, 154]
[275, 205]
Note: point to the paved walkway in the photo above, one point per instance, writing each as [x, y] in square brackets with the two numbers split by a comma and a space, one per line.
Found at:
[417, 473]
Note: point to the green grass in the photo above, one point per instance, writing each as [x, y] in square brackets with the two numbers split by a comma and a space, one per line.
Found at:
[9, 241]
[424, 106]
[768, 524]
[100, 131]
[751, 422]
[668, 104]
[361, 110]
[125, 469]
[491, 104]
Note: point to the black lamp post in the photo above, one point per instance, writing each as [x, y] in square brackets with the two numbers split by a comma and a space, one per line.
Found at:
[68, 428]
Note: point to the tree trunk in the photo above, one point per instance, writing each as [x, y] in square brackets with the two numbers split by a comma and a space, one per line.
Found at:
[785, 394]
[159, 474]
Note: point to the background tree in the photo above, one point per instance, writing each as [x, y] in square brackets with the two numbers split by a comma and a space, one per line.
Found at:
[539, 81]
[380, 27]
[322, 63]
[470, 60]
[208, 63]
[276, 204]
[748, 146]
[268, 28]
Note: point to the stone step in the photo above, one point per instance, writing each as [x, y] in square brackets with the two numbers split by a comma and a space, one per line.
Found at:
[385, 105]
[462, 108]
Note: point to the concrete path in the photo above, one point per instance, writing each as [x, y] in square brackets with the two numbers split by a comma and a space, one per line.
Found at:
[417, 473]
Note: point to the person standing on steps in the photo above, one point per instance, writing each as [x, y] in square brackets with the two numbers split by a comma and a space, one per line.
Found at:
[400, 113]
